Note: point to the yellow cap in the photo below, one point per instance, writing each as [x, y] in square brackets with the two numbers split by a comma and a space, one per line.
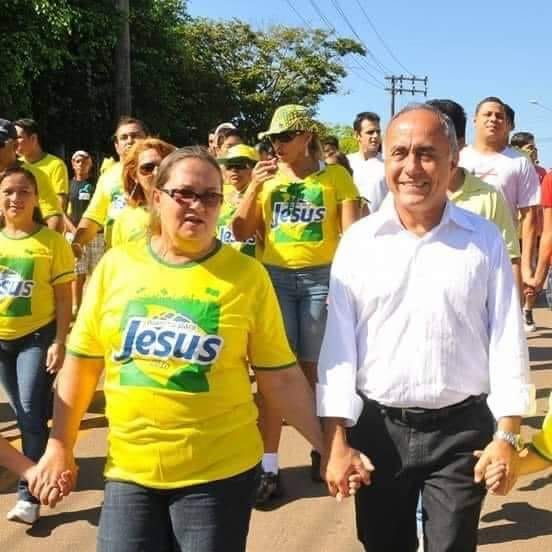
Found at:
[292, 117]
[238, 153]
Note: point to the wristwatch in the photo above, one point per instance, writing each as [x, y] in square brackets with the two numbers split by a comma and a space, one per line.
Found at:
[513, 439]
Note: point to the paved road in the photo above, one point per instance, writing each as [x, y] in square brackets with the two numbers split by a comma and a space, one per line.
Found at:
[306, 519]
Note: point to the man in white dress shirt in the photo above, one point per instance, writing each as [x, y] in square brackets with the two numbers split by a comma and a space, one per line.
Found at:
[367, 164]
[424, 346]
[509, 171]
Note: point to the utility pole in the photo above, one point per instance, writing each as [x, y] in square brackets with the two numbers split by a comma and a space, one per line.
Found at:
[399, 85]
[123, 102]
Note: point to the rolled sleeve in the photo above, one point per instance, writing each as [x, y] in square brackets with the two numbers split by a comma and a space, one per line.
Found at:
[511, 393]
[336, 394]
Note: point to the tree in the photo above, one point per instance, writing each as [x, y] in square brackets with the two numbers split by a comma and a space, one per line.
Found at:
[346, 136]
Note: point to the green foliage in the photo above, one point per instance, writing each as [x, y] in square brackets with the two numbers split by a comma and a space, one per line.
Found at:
[346, 136]
[187, 74]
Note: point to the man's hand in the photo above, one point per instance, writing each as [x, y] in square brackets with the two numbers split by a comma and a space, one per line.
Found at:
[54, 476]
[346, 469]
[500, 461]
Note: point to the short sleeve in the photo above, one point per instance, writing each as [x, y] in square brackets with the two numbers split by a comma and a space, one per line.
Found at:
[542, 441]
[99, 204]
[63, 263]
[529, 186]
[84, 340]
[47, 198]
[503, 219]
[346, 189]
[59, 178]
[268, 346]
[546, 191]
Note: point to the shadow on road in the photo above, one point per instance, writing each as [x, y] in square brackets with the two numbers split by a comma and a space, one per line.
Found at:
[48, 523]
[297, 484]
[527, 523]
[91, 473]
[537, 484]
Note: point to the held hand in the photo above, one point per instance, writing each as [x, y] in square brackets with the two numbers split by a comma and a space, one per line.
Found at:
[264, 170]
[77, 250]
[55, 357]
[54, 476]
[500, 461]
[346, 470]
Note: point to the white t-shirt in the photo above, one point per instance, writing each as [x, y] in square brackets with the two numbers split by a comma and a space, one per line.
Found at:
[509, 171]
[369, 177]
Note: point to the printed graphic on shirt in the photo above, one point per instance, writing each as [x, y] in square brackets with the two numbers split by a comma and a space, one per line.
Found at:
[117, 204]
[169, 343]
[16, 286]
[297, 213]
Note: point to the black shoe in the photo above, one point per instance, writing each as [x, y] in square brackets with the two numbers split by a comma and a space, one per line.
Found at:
[269, 488]
[315, 467]
[528, 321]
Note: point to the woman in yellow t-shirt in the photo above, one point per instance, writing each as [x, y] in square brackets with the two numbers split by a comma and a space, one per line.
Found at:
[301, 206]
[139, 168]
[36, 270]
[174, 322]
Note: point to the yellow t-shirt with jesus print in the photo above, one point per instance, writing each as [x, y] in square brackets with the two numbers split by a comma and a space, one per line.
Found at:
[302, 225]
[176, 341]
[29, 268]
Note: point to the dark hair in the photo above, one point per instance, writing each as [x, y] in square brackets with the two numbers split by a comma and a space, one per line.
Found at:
[342, 160]
[16, 169]
[166, 168]
[225, 133]
[264, 146]
[365, 116]
[520, 139]
[29, 126]
[491, 99]
[510, 115]
[131, 186]
[330, 141]
[456, 114]
[128, 120]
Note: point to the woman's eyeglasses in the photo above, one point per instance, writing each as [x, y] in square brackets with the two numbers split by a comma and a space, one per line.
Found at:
[186, 195]
[148, 169]
[285, 137]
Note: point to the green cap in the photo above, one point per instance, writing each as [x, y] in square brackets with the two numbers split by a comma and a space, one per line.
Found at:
[292, 117]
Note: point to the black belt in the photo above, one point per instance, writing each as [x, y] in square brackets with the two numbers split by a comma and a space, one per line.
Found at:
[422, 416]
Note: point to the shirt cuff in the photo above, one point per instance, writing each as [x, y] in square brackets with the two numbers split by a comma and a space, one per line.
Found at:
[331, 403]
[513, 401]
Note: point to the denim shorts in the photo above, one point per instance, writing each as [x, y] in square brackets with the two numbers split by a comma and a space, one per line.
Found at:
[303, 294]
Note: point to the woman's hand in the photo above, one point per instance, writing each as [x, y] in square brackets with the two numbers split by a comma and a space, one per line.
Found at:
[54, 476]
[55, 357]
[264, 170]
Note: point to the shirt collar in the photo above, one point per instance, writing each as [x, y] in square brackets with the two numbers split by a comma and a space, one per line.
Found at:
[388, 221]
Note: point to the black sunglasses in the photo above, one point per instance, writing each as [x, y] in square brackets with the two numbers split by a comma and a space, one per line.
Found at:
[147, 168]
[238, 166]
[285, 137]
[186, 195]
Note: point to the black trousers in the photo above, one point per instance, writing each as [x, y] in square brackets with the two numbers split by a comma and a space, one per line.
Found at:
[431, 456]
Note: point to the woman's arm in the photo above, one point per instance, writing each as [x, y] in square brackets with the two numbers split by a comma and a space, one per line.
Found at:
[74, 391]
[12, 459]
[63, 299]
[349, 212]
[288, 391]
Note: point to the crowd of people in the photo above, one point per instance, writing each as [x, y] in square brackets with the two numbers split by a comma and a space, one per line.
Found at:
[379, 302]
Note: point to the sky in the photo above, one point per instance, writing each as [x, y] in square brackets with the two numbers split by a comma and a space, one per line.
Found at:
[485, 48]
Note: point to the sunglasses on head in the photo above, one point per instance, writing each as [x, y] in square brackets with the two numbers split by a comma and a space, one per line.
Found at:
[147, 168]
[186, 195]
[285, 137]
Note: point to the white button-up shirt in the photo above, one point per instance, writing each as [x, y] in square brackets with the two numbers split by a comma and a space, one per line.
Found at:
[423, 321]
[369, 177]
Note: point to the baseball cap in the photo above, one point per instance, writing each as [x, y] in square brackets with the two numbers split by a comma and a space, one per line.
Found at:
[223, 126]
[239, 154]
[7, 131]
[79, 153]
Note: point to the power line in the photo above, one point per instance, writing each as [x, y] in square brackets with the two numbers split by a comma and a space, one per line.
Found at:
[340, 11]
[389, 51]
[298, 14]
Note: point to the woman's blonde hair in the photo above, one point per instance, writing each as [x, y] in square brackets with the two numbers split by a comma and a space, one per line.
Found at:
[132, 187]
[165, 171]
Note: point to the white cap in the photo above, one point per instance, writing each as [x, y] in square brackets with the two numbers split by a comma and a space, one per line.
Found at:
[224, 125]
[79, 153]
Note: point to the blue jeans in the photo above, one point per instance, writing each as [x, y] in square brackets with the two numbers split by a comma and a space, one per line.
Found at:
[302, 294]
[29, 390]
[211, 517]
[549, 290]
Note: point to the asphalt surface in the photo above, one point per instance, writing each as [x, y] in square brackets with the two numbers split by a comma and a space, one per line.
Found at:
[305, 519]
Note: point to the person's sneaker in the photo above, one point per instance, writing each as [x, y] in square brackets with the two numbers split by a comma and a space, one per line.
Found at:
[24, 512]
[315, 466]
[528, 321]
[269, 488]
